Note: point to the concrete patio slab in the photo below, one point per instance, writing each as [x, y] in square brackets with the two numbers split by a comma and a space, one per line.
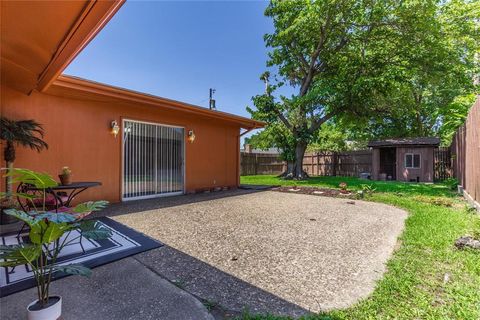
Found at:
[125, 289]
[296, 253]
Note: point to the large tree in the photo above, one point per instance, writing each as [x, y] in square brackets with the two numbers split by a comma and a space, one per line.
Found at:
[340, 56]
[388, 67]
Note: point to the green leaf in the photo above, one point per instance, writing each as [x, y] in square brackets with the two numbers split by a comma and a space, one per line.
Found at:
[25, 196]
[90, 206]
[74, 269]
[38, 179]
[56, 217]
[36, 231]
[54, 231]
[21, 215]
[19, 254]
[95, 231]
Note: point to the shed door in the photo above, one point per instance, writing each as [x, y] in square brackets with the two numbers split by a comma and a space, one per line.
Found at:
[153, 160]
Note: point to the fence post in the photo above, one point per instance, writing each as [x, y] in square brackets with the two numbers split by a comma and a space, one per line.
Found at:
[335, 161]
[311, 160]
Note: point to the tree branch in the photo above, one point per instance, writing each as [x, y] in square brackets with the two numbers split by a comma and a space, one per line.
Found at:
[303, 61]
[316, 123]
[285, 121]
[313, 60]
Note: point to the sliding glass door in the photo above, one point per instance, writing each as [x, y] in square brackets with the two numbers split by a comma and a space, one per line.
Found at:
[153, 160]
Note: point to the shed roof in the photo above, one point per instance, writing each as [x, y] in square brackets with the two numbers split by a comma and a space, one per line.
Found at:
[395, 142]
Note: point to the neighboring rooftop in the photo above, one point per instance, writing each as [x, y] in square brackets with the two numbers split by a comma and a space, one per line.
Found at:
[249, 149]
[421, 141]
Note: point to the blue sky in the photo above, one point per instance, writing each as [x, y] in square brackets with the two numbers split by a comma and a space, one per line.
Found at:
[179, 50]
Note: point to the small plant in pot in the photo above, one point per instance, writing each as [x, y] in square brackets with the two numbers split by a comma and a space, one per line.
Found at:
[343, 187]
[5, 204]
[50, 232]
[65, 176]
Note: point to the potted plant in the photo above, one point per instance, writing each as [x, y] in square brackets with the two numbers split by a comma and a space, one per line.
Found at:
[343, 187]
[6, 204]
[26, 133]
[49, 234]
[65, 176]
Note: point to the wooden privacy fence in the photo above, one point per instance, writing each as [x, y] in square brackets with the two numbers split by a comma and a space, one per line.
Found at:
[327, 163]
[259, 163]
[442, 163]
[350, 163]
[466, 154]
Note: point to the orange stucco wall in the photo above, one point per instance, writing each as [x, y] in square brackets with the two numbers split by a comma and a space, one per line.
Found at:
[77, 132]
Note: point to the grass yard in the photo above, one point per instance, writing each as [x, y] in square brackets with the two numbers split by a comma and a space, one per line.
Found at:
[427, 277]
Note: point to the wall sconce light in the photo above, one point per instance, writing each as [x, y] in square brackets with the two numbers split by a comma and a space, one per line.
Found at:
[191, 136]
[114, 128]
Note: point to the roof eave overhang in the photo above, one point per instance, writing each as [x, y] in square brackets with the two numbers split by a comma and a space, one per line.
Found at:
[95, 88]
[93, 18]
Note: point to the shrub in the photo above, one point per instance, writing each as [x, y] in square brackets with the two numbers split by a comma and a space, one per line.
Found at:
[368, 188]
[451, 183]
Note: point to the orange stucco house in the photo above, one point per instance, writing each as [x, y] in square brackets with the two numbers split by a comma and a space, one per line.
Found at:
[163, 147]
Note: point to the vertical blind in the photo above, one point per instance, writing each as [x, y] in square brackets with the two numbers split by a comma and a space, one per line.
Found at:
[152, 160]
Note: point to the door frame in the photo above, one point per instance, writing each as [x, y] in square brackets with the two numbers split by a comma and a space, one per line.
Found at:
[184, 149]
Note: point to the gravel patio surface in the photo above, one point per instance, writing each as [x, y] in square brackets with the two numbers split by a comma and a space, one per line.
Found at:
[318, 253]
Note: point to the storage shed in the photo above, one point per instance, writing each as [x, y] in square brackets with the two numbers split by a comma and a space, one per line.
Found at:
[404, 159]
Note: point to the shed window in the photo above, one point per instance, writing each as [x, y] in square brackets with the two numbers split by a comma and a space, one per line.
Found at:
[412, 160]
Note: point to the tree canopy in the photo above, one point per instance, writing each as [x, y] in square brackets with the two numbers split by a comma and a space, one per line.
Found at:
[374, 68]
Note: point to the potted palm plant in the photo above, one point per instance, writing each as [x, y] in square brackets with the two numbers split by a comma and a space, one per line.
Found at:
[26, 133]
[50, 232]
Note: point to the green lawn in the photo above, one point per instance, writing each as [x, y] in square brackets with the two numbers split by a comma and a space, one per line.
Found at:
[414, 286]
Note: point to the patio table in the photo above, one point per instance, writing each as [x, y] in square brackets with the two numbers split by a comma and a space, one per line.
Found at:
[62, 194]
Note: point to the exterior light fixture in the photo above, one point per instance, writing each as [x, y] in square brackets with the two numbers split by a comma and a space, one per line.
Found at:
[114, 128]
[191, 136]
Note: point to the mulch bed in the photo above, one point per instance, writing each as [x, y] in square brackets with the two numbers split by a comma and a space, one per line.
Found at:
[314, 191]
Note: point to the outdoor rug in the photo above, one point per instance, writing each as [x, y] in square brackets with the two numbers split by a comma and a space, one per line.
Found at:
[123, 243]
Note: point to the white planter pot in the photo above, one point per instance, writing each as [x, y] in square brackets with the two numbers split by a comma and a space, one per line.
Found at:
[52, 312]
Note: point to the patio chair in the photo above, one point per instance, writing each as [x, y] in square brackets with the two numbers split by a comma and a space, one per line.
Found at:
[27, 205]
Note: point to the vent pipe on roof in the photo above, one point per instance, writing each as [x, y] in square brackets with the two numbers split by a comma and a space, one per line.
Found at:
[211, 103]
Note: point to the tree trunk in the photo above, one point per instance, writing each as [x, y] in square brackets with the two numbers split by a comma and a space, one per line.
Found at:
[9, 157]
[8, 181]
[295, 168]
[300, 149]
[287, 173]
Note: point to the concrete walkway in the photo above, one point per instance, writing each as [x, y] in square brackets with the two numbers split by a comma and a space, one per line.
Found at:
[125, 289]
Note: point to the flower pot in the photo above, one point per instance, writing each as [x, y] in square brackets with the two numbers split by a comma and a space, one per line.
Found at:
[5, 218]
[65, 179]
[52, 311]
